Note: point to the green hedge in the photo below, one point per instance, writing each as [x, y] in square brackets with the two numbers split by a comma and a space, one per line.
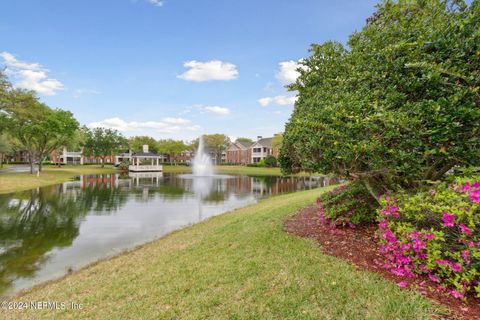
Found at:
[348, 205]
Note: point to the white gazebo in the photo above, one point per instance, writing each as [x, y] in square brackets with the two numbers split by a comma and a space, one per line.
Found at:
[139, 159]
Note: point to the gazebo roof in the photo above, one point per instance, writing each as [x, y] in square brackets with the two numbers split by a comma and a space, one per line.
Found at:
[146, 154]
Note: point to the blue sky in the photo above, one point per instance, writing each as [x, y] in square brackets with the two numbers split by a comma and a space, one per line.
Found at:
[172, 69]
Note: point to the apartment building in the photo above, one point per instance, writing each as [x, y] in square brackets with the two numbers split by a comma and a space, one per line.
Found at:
[239, 153]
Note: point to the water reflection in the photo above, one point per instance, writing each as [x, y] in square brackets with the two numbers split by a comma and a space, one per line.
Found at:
[45, 231]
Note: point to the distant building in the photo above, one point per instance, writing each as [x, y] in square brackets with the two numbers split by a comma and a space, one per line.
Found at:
[250, 152]
[18, 156]
[239, 153]
[261, 149]
[77, 157]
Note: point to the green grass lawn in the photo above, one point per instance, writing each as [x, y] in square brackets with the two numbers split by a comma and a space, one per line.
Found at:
[240, 265]
[12, 182]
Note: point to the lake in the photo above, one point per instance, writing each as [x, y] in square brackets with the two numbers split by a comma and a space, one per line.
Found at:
[46, 232]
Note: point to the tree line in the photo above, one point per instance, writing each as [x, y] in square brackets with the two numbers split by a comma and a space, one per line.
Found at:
[28, 125]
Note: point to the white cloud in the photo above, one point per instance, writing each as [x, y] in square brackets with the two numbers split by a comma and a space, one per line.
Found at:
[218, 110]
[157, 3]
[30, 76]
[278, 100]
[265, 101]
[10, 61]
[288, 73]
[210, 70]
[167, 125]
[175, 120]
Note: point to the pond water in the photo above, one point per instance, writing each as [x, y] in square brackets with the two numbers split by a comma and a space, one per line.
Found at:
[45, 232]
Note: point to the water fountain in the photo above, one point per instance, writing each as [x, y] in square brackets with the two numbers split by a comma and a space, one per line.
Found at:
[202, 164]
[204, 180]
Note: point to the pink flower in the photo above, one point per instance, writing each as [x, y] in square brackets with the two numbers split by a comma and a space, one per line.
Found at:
[434, 278]
[418, 245]
[466, 256]
[456, 267]
[448, 220]
[421, 255]
[467, 186]
[383, 224]
[402, 284]
[465, 229]
[442, 262]
[475, 196]
[456, 294]
[391, 210]
[429, 236]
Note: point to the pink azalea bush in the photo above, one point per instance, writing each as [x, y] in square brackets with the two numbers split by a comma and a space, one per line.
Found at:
[348, 205]
[435, 233]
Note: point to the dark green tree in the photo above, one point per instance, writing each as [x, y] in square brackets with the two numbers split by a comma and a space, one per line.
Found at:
[102, 143]
[216, 144]
[172, 148]
[26, 117]
[241, 139]
[137, 142]
[5, 148]
[270, 161]
[400, 106]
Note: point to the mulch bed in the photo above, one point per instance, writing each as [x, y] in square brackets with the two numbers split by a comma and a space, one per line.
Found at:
[360, 247]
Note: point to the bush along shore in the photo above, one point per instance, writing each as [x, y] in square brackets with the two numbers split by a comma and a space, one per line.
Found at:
[428, 241]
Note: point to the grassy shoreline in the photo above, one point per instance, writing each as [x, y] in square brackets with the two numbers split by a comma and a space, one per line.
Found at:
[244, 170]
[239, 265]
[16, 181]
[19, 181]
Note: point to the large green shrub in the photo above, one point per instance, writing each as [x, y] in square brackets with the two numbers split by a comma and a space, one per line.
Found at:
[270, 161]
[261, 164]
[436, 233]
[348, 205]
[399, 105]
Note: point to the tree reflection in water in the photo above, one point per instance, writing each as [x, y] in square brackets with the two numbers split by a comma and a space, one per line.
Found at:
[34, 222]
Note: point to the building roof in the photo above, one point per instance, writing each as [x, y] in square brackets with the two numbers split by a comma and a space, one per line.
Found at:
[145, 154]
[239, 145]
[265, 142]
[245, 144]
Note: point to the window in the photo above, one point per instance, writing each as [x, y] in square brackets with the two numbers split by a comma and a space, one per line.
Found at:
[257, 149]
